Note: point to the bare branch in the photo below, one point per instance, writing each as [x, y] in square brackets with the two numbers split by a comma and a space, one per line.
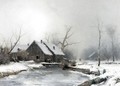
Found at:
[65, 41]
[17, 40]
[68, 44]
[69, 36]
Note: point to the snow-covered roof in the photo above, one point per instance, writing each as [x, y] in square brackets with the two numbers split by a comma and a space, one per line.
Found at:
[43, 48]
[91, 54]
[55, 49]
[21, 47]
[52, 47]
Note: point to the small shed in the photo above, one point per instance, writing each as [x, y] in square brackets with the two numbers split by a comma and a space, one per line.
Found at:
[19, 53]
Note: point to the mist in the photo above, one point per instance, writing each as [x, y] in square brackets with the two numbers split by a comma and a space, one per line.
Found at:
[38, 17]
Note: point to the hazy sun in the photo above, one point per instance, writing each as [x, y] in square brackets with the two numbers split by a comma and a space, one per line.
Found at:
[37, 21]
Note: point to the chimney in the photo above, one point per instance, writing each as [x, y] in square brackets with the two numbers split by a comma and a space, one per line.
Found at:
[41, 41]
[18, 49]
[28, 44]
[54, 47]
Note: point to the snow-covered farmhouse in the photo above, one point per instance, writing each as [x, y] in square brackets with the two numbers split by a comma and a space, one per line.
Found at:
[45, 52]
[19, 53]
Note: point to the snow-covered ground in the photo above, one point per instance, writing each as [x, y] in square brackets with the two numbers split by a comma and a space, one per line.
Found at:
[15, 66]
[112, 71]
[42, 77]
[12, 67]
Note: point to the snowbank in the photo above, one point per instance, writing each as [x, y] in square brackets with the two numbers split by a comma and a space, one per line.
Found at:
[15, 68]
[112, 72]
[12, 67]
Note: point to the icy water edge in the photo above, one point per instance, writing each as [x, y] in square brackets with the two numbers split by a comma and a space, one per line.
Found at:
[44, 77]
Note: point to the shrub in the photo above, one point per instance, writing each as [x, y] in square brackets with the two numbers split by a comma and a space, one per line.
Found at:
[4, 59]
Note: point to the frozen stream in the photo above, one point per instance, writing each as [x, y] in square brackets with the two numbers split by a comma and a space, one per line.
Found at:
[44, 77]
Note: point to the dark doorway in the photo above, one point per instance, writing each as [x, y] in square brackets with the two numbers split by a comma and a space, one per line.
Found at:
[37, 57]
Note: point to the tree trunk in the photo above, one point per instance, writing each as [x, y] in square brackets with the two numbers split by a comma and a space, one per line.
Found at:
[99, 46]
[113, 50]
[113, 58]
[98, 61]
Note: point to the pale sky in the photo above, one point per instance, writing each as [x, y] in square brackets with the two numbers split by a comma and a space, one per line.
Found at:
[38, 17]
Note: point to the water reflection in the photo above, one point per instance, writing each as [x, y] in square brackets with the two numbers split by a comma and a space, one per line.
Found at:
[44, 77]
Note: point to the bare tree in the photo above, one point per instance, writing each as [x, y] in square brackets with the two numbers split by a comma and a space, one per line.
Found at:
[53, 38]
[5, 49]
[16, 42]
[111, 33]
[99, 40]
[64, 43]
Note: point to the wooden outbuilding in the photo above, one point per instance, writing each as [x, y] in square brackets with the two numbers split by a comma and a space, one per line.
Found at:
[19, 53]
[45, 52]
